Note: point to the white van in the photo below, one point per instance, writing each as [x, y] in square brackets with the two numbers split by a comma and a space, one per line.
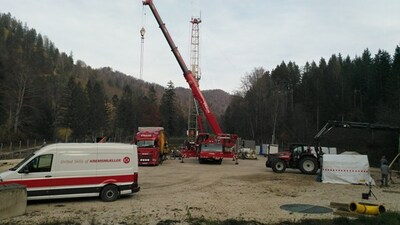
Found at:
[74, 170]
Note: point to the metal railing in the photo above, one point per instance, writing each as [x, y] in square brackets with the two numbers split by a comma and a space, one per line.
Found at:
[20, 149]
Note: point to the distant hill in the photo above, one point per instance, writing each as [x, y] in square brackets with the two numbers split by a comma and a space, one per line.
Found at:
[218, 100]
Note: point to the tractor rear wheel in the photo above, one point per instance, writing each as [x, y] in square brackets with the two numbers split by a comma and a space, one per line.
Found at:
[278, 166]
[308, 165]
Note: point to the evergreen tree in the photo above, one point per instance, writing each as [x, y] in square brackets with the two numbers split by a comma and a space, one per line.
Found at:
[233, 118]
[126, 114]
[171, 115]
[382, 66]
[97, 121]
[368, 88]
[394, 89]
[310, 98]
[74, 108]
[350, 112]
[332, 86]
[150, 109]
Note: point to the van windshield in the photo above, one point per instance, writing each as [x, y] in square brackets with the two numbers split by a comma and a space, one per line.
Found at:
[22, 162]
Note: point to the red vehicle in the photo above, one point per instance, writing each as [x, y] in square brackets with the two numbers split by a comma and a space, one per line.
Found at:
[211, 152]
[152, 145]
[299, 156]
[227, 141]
[305, 157]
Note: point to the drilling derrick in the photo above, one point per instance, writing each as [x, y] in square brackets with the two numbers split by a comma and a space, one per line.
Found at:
[194, 122]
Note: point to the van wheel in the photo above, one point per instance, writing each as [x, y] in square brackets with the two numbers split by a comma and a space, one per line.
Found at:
[109, 193]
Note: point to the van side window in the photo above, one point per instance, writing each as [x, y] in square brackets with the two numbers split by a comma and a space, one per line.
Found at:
[41, 164]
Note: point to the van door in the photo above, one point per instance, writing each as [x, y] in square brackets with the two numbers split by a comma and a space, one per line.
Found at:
[36, 175]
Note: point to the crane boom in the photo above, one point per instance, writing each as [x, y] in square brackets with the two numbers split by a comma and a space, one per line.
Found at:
[190, 79]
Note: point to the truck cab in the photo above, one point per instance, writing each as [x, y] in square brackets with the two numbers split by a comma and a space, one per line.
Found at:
[210, 152]
[147, 152]
[152, 145]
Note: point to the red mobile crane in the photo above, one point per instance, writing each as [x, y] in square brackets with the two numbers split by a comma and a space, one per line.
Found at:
[227, 142]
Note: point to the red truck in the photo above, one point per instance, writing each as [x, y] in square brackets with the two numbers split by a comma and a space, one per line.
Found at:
[227, 141]
[152, 145]
[210, 152]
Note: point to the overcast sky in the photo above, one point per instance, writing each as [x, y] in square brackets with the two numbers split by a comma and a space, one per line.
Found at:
[236, 36]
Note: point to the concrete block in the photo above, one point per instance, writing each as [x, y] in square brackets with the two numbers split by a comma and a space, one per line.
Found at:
[13, 198]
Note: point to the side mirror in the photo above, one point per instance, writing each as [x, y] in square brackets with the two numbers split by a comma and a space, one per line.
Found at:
[25, 170]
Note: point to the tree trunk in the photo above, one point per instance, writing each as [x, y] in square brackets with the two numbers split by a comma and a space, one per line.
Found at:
[21, 91]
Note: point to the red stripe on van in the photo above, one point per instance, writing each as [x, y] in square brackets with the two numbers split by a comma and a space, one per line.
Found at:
[74, 181]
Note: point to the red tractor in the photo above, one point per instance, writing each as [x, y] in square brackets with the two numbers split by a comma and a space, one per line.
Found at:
[299, 156]
[307, 158]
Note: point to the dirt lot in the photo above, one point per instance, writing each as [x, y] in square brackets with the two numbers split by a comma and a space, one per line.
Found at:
[178, 191]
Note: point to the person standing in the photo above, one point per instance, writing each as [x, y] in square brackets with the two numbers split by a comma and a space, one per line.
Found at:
[384, 174]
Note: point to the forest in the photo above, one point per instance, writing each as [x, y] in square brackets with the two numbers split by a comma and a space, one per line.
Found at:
[291, 103]
[45, 94]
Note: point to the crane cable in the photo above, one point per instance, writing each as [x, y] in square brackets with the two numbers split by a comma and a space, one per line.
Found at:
[143, 15]
[142, 33]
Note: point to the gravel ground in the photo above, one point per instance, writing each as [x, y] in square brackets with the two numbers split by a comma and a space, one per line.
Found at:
[178, 191]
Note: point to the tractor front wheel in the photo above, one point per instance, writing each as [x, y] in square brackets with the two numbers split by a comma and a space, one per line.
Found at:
[278, 166]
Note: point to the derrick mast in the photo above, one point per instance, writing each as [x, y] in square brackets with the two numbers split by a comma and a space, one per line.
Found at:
[195, 48]
[194, 122]
[187, 74]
